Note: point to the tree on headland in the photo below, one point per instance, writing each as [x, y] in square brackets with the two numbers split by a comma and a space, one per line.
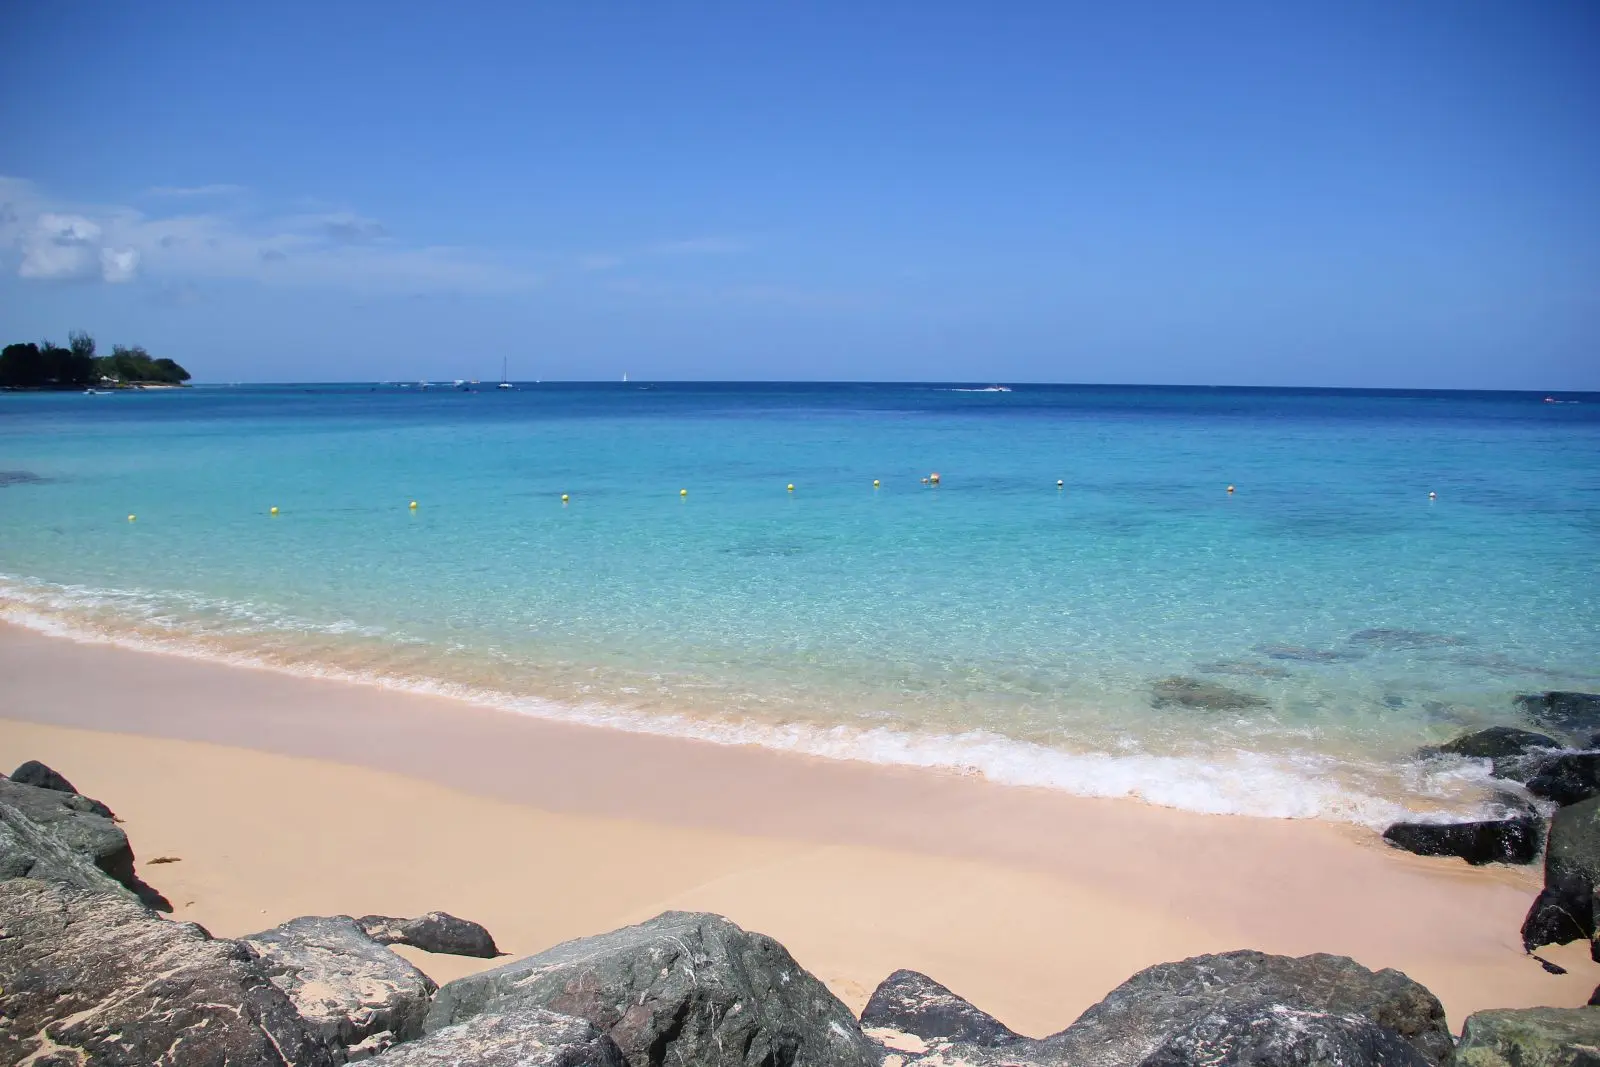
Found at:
[47, 365]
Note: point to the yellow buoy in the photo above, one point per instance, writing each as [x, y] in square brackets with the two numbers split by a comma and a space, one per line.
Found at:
[563, 498]
[132, 517]
[272, 510]
[874, 483]
[413, 505]
[791, 487]
[683, 492]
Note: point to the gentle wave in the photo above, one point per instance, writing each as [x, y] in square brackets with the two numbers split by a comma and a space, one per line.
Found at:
[1233, 782]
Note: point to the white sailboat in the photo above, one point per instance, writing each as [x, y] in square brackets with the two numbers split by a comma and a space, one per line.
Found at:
[624, 376]
[504, 384]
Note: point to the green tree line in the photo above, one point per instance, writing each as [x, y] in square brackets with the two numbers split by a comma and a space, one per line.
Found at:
[47, 365]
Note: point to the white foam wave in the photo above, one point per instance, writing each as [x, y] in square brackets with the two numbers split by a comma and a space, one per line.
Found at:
[1301, 785]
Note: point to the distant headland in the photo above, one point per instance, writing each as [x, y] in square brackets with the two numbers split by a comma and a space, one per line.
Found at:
[46, 365]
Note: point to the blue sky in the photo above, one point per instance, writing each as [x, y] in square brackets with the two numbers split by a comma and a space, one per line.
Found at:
[1361, 194]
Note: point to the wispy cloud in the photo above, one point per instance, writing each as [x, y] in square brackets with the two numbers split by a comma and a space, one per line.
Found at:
[691, 246]
[220, 189]
[44, 239]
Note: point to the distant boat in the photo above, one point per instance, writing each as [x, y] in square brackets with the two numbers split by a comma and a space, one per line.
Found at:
[504, 384]
[624, 376]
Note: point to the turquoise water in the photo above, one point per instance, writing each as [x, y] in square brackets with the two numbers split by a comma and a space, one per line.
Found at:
[991, 624]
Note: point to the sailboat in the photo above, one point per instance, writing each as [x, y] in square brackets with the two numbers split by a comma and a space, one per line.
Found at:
[503, 383]
[624, 376]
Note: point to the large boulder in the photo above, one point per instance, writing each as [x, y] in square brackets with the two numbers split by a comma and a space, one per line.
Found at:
[38, 774]
[1513, 840]
[72, 820]
[907, 1002]
[436, 931]
[1283, 1037]
[1564, 777]
[95, 978]
[520, 1036]
[1142, 1014]
[1574, 714]
[1531, 1037]
[29, 850]
[355, 995]
[1195, 693]
[684, 987]
[1496, 742]
[1565, 910]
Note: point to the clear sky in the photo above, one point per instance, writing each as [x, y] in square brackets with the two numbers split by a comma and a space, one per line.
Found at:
[1341, 193]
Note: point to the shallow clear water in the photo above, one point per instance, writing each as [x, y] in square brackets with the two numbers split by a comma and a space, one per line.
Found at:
[992, 623]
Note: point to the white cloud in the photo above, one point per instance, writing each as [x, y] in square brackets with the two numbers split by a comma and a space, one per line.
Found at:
[119, 264]
[45, 239]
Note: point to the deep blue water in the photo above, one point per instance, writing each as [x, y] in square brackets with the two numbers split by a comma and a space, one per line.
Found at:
[991, 623]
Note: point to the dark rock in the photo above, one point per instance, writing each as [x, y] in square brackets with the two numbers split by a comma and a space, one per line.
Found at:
[71, 820]
[436, 931]
[1565, 910]
[1513, 840]
[1531, 1037]
[1143, 1013]
[355, 995]
[518, 1037]
[1549, 968]
[1564, 777]
[1496, 742]
[1405, 640]
[1194, 693]
[682, 988]
[95, 978]
[1573, 713]
[38, 774]
[21, 478]
[29, 850]
[911, 1003]
[1283, 1037]
[1594, 998]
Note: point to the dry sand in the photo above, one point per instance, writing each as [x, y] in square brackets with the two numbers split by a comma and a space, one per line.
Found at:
[281, 796]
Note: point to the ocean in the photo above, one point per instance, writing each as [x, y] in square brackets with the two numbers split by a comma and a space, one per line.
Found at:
[1281, 650]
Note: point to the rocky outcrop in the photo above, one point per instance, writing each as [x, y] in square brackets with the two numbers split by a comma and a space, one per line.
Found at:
[518, 1037]
[436, 931]
[29, 850]
[1564, 777]
[682, 988]
[93, 977]
[72, 821]
[1575, 714]
[1283, 1037]
[38, 774]
[1496, 742]
[1531, 1037]
[1143, 1014]
[907, 1002]
[1194, 693]
[356, 996]
[1514, 840]
[1565, 910]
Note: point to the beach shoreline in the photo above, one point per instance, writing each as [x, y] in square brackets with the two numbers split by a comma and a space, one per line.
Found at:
[283, 795]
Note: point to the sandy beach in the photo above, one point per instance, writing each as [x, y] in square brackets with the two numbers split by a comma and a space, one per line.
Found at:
[275, 795]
